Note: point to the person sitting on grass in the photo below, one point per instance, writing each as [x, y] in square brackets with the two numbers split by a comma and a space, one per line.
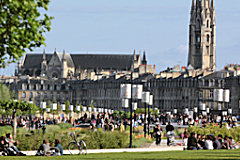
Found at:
[220, 139]
[192, 142]
[43, 149]
[58, 147]
[225, 144]
[12, 145]
[216, 143]
[201, 142]
[209, 143]
[3, 147]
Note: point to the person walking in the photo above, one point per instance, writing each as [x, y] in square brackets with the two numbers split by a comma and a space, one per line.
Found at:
[158, 135]
[169, 129]
[185, 137]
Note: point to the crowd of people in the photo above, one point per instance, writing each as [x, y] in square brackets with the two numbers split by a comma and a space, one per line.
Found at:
[210, 142]
[8, 147]
[110, 122]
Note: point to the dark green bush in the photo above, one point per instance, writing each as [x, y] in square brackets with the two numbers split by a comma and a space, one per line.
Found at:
[94, 140]
[102, 140]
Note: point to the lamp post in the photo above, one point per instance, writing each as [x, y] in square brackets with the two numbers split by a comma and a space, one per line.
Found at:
[145, 100]
[149, 113]
[54, 107]
[71, 110]
[43, 107]
[130, 91]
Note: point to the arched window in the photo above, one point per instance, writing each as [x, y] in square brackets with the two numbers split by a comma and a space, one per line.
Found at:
[54, 75]
[207, 23]
[31, 94]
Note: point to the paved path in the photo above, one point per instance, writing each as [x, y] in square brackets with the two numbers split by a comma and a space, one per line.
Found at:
[153, 148]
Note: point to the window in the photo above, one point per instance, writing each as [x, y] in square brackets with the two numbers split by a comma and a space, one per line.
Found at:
[211, 105]
[200, 94]
[45, 95]
[31, 95]
[207, 38]
[198, 39]
[23, 95]
[207, 23]
[211, 95]
[54, 75]
[23, 87]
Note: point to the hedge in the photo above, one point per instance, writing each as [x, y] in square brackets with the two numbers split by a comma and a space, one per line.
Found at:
[216, 130]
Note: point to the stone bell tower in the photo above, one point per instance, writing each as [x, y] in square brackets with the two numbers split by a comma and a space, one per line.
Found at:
[202, 35]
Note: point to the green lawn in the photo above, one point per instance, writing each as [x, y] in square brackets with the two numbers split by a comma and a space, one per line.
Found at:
[216, 154]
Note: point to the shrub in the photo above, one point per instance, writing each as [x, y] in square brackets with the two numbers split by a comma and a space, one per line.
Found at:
[64, 125]
[94, 140]
[102, 140]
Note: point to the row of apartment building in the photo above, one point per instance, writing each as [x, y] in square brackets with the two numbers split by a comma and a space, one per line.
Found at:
[169, 92]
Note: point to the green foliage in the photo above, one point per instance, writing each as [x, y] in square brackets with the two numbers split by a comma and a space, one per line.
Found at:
[22, 27]
[91, 105]
[64, 125]
[216, 130]
[94, 140]
[5, 129]
[103, 140]
[22, 108]
[67, 104]
[4, 92]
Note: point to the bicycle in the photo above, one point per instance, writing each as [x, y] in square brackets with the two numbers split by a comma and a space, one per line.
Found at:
[75, 145]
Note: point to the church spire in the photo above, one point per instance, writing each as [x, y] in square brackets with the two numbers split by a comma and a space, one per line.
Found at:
[144, 61]
[134, 55]
[212, 4]
[193, 5]
[197, 4]
[55, 51]
[64, 55]
[44, 55]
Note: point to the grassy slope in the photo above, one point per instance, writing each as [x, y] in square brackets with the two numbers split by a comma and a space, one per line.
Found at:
[216, 154]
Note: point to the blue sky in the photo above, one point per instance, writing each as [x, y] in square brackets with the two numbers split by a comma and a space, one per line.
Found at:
[158, 26]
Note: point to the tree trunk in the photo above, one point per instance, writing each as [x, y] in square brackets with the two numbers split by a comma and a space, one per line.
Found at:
[14, 125]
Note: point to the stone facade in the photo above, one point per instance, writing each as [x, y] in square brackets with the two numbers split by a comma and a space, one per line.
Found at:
[202, 35]
[85, 78]
[82, 66]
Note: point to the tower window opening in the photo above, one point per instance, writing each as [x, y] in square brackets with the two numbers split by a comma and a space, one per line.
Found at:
[207, 23]
[207, 38]
[198, 39]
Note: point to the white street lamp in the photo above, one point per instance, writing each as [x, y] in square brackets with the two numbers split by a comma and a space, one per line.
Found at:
[63, 107]
[70, 107]
[78, 108]
[54, 106]
[43, 105]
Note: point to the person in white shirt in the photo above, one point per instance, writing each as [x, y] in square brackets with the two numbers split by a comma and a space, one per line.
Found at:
[209, 143]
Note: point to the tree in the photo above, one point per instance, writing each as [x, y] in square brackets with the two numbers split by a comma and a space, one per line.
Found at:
[14, 108]
[22, 26]
[4, 92]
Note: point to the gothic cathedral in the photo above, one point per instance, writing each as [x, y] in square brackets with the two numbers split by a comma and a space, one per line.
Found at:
[202, 35]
